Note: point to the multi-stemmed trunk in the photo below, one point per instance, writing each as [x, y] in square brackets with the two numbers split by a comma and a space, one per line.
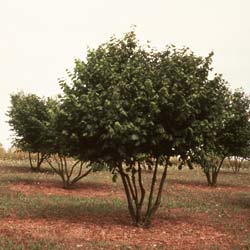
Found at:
[70, 174]
[35, 163]
[212, 172]
[236, 164]
[136, 192]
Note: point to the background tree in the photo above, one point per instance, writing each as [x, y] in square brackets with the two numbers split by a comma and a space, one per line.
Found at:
[131, 106]
[28, 118]
[61, 147]
[237, 135]
[231, 137]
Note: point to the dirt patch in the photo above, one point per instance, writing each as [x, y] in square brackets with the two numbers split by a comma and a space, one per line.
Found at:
[178, 233]
[172, 229]
[51, 188]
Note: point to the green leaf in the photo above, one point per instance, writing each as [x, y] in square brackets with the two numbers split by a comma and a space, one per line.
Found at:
[134, 137]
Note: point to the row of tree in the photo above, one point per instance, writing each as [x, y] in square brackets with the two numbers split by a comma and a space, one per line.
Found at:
[129, 106]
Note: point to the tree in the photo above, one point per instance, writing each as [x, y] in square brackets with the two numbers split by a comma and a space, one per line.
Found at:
[231, 137]
[236, 163]
[60, 145]
[237, 131]
[28, 118]
[132, 106]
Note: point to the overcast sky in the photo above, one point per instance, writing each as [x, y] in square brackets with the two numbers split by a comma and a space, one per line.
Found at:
[40, 39]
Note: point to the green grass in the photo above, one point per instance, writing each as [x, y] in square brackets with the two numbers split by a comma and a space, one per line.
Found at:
[59, 207]
[226, 207]
[12, 243]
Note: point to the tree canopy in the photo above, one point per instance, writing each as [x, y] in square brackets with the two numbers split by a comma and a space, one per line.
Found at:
[230, 139]
[127, 99]
[29, 119]
[129, 105]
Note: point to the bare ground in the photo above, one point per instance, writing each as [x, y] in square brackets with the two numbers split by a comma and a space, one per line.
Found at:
[174, 229]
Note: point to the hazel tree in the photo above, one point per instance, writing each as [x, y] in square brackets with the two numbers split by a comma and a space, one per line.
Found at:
[231, 138]
[61, 147]
[132, 106]
[237, 132]
[28, 119]
[234, 138]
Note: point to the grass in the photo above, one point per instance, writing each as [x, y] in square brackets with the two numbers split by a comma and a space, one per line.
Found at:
[59, 207]
[11, 243]
[186, 199]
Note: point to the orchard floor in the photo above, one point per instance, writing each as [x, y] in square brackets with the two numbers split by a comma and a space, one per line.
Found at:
[36, 213]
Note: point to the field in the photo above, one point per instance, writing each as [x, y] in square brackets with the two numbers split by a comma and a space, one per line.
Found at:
[36, 213]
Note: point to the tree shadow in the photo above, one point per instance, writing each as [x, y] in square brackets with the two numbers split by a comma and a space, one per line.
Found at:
[240, 202]
[197, 184]
[106, 214]
[187, 182]
[56, 186]
[91, 185]
[24, 170]
[231, 173]
[101, 213]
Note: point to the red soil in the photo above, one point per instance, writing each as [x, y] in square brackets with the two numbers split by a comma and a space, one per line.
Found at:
[182, 234]
[50, 188]
[179, 232]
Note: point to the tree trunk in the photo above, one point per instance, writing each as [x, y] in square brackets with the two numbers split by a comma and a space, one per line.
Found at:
[212, 173]
[236, 164]
[207, 173]
[214, 178]
[135, 193]
[36, 165]
[151, 212]
[68, 174]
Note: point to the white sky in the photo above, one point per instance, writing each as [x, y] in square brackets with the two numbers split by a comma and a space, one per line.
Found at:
[40, 39]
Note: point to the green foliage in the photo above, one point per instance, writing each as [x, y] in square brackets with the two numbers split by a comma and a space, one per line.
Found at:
[28, 118]
[235, 137]
[130, 105]
[230, 139]
[127, 100]
[62, 147]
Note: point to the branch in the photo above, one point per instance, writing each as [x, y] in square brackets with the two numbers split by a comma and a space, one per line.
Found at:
[73, 167]
[134, 186]
[56, 170]
[65, 166]
[158, 199]
[152, 210]
[130, 185]
[152, 186]
[38, 159]
[125, 184]
[80, 177]
[31, 164]
[57, 162]
[141, 185]
[221, 162]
